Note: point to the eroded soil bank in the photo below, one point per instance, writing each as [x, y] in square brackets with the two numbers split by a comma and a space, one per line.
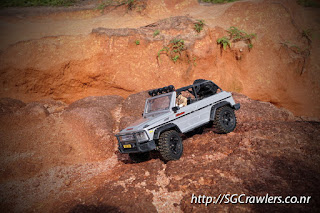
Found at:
[281, 68]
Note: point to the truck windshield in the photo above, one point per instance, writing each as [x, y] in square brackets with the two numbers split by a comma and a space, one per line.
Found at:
[157, 104]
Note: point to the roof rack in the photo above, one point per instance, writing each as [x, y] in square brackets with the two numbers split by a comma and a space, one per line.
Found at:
[162, 90]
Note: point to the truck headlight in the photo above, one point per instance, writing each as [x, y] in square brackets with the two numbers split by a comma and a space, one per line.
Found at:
[142, 136]
[124, 138]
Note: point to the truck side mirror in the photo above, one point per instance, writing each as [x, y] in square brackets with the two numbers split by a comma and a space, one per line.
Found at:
[175, 109]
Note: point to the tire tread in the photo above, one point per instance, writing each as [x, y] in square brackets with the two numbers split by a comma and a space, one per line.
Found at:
[218, 126]
[164, 148]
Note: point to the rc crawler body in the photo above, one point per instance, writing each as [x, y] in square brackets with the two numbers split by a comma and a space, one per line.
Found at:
[169, 113]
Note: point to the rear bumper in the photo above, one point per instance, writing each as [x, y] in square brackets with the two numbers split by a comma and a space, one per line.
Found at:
[138, 147]
[236, 106]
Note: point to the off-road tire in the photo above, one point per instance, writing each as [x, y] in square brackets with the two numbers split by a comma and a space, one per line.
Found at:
[225, 120]
[170, 145]
[139, 157]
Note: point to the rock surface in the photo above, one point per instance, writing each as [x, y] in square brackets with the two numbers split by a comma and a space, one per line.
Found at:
[68, 161]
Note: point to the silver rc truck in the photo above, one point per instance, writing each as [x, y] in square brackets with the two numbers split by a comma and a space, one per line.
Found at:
[171, 112]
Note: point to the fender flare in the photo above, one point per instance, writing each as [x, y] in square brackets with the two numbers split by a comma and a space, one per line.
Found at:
[215, 107]
[166, 127]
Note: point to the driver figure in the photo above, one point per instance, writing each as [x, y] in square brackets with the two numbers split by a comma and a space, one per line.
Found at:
[181, 101]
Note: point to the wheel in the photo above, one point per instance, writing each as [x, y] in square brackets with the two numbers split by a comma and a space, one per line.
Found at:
[225, 120]
[170, 145]
[139, 157]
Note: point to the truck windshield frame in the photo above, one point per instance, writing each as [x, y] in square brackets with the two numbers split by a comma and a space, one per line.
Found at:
[158, 104]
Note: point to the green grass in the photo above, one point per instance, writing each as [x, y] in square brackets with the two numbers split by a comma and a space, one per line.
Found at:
[31, 3]
[218, 1]
[137, 42]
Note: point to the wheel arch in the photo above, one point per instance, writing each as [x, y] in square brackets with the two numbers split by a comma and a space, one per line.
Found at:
[216, 106]
[164, 128]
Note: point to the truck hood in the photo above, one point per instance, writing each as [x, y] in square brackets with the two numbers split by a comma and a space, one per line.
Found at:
[142, 123]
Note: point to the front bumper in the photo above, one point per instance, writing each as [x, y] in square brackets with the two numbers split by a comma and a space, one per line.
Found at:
[136, 147]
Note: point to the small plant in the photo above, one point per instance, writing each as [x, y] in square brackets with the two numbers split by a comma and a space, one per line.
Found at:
[101, 6]
[307, 34]
[198, 26]
[193, 60]
[177, 45]
[294, 48]
[166, 49]
[304, 53]
[173, 50]
[130, 4]
[236, 35]
[175, 58]
[156, 32]
[224, 42]
[240, 35]
[137, 42]
[107, 3]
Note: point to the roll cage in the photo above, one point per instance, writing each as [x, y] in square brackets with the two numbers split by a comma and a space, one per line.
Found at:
[199, 90]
